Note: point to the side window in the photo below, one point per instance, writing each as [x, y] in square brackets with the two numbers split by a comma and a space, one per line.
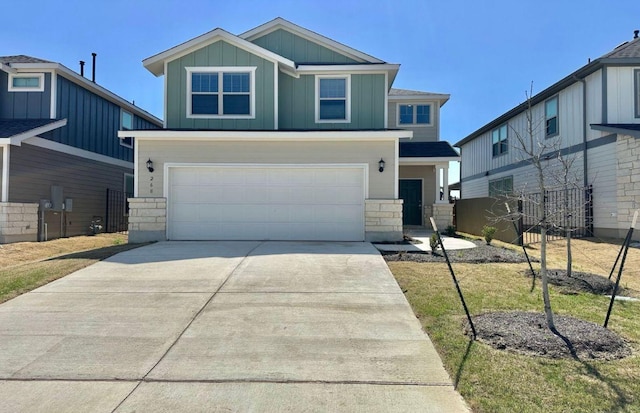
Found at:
[126, 123]
[26, 82]
[333, 99]
[501, 187]
[551, 116]
[414, 114]
[500, 140]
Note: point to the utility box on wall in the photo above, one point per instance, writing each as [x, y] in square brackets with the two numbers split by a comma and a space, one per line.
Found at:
[68, 205]
[57, 197]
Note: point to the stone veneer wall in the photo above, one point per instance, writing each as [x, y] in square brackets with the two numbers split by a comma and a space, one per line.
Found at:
[147, 219]
[443, 215]
[628, 182]
[18, 222]
[383, 220]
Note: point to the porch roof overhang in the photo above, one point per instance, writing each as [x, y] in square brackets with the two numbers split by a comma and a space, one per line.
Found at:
[427, 153]
[14, 131]
[631, 129]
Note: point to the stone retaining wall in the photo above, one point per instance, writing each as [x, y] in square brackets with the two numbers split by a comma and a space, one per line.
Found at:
[383, 220]
[147, 219]
[18, 222]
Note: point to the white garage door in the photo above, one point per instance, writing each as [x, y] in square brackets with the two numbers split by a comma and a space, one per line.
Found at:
[266, 203]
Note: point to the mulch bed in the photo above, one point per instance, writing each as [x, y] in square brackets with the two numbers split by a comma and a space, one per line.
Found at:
[527, 333]
[578, 282]
[481, 254]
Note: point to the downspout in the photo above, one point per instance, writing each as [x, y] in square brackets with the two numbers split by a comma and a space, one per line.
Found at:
[585, 124]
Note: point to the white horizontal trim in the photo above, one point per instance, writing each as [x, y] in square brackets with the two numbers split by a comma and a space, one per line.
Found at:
[265, 135]
[17, 139]
[155, 64]
[307, 34]
[381, 68]
[88, 84]
[70, 150]
[419, 98]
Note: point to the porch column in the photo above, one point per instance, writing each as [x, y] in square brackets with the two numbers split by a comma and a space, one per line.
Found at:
[4, 183]
[442, 171]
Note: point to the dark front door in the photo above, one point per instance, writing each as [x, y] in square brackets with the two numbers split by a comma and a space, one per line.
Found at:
[411, 194]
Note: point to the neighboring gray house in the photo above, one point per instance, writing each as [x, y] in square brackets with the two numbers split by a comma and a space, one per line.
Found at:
[59, 151]
[281, 133]
[593, 114]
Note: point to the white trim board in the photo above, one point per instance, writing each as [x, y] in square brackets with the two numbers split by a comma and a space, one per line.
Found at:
[4, 195]
[70, 150]
[184, 135]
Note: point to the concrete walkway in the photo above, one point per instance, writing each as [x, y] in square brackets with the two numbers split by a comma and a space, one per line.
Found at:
[423, 235]
[222, 326]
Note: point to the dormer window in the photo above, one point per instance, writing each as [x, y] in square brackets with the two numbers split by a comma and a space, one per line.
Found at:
[26, 82]
[220, 92]
[414, 114]
[333, 95]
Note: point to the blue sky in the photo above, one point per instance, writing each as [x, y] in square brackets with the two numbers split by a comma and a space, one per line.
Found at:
[484, 53]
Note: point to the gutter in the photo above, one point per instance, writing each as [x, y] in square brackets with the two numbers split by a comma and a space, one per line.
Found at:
[584, 131]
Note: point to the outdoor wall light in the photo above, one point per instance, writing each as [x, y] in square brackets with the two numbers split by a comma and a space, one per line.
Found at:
[381, 165]
[150, 165]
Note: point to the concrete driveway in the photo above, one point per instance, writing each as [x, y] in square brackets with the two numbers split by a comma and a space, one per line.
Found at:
[222, 326]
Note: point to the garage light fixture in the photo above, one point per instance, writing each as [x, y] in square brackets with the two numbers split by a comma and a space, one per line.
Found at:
[150, 165]
[381, 165]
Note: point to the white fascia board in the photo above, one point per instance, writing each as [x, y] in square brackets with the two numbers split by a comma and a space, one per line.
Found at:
[156, 64]
[265, 135]
[442, 98]
[17, 140]
[6, 68]
[428, 161]
[81, 153]
[92, 86]
[280, 23]
[312, 69]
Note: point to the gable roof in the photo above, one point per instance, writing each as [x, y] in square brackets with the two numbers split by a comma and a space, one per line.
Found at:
[155, 63]
[406, 94]
[22, 59]
[280, 23]
[624, 54]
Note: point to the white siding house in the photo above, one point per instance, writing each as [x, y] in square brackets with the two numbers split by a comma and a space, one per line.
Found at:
[593, 116]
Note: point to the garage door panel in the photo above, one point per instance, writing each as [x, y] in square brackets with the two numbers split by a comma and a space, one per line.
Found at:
[273, 202]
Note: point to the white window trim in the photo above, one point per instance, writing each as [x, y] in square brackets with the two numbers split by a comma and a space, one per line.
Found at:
[40, 77]
[348, 99]
[122, 142]
[220, 70]
[415, 114]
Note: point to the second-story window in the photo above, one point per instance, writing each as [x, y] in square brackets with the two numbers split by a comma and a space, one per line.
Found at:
[332, 99]
[224, 92]
[126, 123]
[414, 114]
[500, 140]
[26, 82]
[551, 116]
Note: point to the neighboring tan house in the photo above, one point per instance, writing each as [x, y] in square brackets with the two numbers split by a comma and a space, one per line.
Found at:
[59, 151]
[593, 115]
[283, 134]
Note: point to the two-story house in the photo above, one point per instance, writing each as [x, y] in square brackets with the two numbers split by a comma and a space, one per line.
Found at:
[591, 116]
[59, 151]
[281, 133]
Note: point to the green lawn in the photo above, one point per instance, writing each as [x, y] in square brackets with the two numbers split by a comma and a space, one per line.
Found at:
[498, 381]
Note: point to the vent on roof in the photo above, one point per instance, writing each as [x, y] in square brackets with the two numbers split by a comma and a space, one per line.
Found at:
[620, 45]
[635, 34]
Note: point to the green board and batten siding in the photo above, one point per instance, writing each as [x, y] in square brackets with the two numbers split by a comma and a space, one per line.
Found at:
[300, 50]
[220, 53]
[297, 103]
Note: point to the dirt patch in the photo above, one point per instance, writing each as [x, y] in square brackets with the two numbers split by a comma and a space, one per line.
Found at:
[483, 253]
[24, 252]
[527, 333]
[578, 282]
